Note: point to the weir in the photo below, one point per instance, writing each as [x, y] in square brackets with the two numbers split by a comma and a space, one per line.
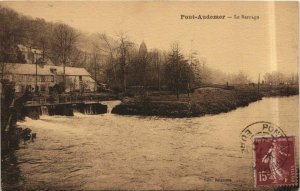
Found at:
[111, 104]
[44, 110]
[91, 108]
[64, 109]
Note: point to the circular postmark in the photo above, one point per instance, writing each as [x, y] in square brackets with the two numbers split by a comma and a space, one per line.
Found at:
[258, 129]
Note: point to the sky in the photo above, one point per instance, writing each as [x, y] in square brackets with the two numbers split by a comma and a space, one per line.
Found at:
[231, 45]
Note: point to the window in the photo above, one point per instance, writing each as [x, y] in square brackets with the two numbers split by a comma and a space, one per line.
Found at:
[43, 78]
[49, 78]
[53, 70]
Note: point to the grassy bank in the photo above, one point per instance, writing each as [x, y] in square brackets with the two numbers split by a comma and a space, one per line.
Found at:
[200, 102]
[161, 108]
[213, 101]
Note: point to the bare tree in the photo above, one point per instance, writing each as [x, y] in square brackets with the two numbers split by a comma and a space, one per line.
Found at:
[63, 44]
[156, 60]
[143, 59]
[157, 66]
[95, 65]
[124, 47]
[111, 50]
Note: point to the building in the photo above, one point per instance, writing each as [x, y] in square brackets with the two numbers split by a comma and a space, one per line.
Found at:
[46, 76]
[30, 55]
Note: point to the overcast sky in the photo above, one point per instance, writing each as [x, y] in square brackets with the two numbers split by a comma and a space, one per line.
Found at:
[231, 45]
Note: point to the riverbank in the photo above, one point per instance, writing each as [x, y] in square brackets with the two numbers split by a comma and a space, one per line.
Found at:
[10, 136]
[200, 102]
[283, 90]
[10, 172]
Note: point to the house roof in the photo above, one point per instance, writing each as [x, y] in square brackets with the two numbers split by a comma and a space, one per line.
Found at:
[25, 50]
[30, 69]
[29, 49]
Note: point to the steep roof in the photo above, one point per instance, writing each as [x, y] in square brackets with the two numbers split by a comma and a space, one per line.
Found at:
[45, 70]
[143, 49]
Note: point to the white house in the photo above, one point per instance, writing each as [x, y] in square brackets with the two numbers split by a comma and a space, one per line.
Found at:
[77, 79]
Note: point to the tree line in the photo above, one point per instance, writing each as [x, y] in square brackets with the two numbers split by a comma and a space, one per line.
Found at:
[116, 61]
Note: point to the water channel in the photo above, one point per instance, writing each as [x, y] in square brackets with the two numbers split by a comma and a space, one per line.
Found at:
[110, 151]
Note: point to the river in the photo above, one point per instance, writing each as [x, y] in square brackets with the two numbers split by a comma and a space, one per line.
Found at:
[131, 152]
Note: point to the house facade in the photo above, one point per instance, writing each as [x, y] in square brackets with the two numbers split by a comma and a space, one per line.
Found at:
[47, 76]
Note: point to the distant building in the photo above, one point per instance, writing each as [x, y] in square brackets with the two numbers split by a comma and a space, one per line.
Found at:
[24, 75]
[32, 55]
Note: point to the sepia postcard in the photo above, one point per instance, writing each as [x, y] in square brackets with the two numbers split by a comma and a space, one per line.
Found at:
[149, 95]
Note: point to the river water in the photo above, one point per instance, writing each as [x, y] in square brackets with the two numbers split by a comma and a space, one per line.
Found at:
[130, 152]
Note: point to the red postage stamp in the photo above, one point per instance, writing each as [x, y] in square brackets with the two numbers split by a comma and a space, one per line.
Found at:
[275, 161]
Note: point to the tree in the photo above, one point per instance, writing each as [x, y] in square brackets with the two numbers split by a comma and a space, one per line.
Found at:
[240, 78]
[95, 61]
[63, 44]
[194, 68]
[123, 50]
[111, 50]
[44, 43]
[143, 56]
[157, 61]
[8, 53]
[177, 70]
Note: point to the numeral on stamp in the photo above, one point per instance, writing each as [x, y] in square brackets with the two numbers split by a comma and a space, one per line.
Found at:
[274, 161]
[263, 176]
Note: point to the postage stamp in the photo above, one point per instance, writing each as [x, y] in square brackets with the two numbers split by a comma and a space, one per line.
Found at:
[275, 161]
